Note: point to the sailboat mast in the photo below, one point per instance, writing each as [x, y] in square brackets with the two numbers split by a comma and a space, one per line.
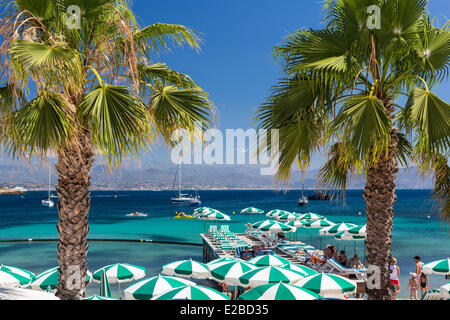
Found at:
[49, 181]
[179, 185]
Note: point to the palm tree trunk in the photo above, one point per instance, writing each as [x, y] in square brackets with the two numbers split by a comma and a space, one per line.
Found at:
[73, 167]
[379, 196]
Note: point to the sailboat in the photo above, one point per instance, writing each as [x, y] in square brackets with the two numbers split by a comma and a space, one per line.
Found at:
[48, 202]
[183, 197]
[303, 201]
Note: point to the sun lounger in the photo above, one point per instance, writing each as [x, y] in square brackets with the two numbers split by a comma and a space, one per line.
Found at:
[336, 266]
[434, 294]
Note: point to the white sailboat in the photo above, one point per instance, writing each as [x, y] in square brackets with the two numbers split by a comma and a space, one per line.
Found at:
[48, 202]
[303, 201]
[183, 197]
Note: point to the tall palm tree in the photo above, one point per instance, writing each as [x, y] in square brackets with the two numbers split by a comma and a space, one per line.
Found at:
[342, 93]
[86, 84]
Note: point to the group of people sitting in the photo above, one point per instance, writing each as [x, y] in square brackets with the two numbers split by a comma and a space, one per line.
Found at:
[330, 252]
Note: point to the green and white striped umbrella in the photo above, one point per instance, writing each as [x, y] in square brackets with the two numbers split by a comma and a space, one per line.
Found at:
[318, 224]
[21, 277]
[324, 231]
[120, 272]
[98, 298]
[289, 217]
[311, 216]
[295, 223]
[214, 216]
[358, 230]
[437, 267]
[105, 290]
[192, 293]
[205, 210]
[276, 213]
[328, 285]
[230, 271]
[48, 280]
[252, 210]
[344, 235]
[148, 288]
[445, 291]
[273, 226]
[279, 291]
[268, 260]
[306, 271]
[186, 269]
[340, 228]
[224, 259]
[265, 275]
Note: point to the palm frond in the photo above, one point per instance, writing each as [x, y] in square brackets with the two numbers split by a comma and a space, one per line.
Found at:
[161, 72]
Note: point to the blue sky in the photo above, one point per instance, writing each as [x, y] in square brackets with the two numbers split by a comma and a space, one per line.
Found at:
[236, 65]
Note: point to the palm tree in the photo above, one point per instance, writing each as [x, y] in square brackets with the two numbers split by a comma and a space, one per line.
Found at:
[86, 84]
[342, 92]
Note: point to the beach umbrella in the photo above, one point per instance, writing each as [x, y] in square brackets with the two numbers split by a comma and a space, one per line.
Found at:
[98, 298]
[148, 288]
[328, 285]
[214, 216]
[306, 271]
[230, 271]
[445, 291]
[268, 260]
[295, 223]
[358, 230]
[252, 210]
[192, 293]
[324, 231]
[105, 291]
[288, 217]
[311, 216]
[437, 267]
[10, 280]
[276, 213]
[48, 280]
[224, 259]
[340, 228]
[272, 226]
[279, 291]
[272, 274]
[120, 272]
[344, 235]
[318, 224]
[24, 277]
[205, 211]
[186, 269]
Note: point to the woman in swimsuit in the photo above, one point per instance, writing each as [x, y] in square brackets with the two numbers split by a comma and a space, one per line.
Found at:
[424, 285]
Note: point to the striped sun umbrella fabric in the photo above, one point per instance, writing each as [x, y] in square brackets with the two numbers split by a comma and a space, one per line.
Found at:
[214, 216]
[340, 228]
[318, 224]
[22, 276]
[344, 235]
[265, 275]
[328, 285]
[276, 213]
[289, 217]
[437, 267]
[48, 280]
[148, 288]
[324, 231]
[225, 259]
[279, 291]
[120, 272]
[358, 230]
[311, 216]
[186, 269]
[273, 226]
[252, 210]
[445, 291]
[192, 293]
[98, 298]
[230, 271]
[268, 260]
[295, 223]
[306, 271]
[105, 290]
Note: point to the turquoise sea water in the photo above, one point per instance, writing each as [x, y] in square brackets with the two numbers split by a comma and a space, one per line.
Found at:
[23, 218]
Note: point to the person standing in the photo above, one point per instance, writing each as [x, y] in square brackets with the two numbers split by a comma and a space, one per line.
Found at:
[424, 285]
[419, 265]
[394, 279]
[413, 286]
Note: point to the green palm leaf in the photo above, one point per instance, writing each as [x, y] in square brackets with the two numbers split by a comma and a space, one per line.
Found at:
[160, 72]
[119, 123]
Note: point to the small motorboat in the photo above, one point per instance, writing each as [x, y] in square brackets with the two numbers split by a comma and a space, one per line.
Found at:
[47, 203]
[136, 214]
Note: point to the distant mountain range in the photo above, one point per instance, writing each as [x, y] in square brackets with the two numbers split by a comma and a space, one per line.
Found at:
[161, 176]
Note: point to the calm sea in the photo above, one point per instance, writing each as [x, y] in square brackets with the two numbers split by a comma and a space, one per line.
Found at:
[417, 227]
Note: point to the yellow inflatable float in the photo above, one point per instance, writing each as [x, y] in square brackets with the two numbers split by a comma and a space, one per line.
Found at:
[182, 215]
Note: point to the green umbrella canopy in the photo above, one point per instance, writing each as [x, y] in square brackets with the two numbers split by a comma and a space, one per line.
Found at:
[311, 216]
[49, 279]
[252, 210]
[120, 272]
[272, 226]
[279, 291]
[192, 293]
[288, 217]
[358, 230]
[318, 224]
[186, 269]
[148, 288]
[214, 216]
[276, 213]
[306, 271]
[272, 274]
[295, 223]
[340, 228]
[268, 260]
[15, 277]
[225, 259]
[230, 271]
[437, 267]
[328, 285]
[98, 298]
[105, 290]
[344, 235]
